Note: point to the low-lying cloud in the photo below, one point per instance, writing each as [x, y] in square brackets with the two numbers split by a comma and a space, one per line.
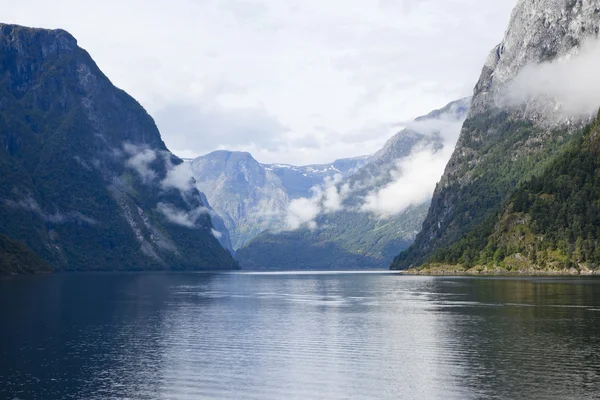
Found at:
[30, 204]
[326, 198]
[569, 87]
[140, 160]
[413, 183]
[178, 177]
[415, 176]
[177, 216]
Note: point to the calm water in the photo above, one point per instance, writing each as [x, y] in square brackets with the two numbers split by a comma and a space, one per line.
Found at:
[298, 336]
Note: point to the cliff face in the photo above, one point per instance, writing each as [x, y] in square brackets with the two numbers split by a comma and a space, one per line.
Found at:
[503, 144]
[86, 181]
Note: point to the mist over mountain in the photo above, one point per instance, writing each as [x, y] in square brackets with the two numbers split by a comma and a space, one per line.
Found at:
[347, 221]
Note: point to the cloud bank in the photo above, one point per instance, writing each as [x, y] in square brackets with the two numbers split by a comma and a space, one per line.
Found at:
[184, 218]
[327, 198]
[140, 161]
[296, 82]
[30, 204]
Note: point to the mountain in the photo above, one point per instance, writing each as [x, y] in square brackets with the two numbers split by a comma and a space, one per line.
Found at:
[352, 237]
[86, 182]
[252, 197]
[249, 197]
[505, 148]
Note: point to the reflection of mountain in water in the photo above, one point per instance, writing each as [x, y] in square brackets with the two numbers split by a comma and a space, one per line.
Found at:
[318, 336]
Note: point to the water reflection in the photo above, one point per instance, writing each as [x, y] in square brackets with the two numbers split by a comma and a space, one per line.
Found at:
[305, 336]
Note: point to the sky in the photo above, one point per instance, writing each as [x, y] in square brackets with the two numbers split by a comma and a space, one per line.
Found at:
[294, 81]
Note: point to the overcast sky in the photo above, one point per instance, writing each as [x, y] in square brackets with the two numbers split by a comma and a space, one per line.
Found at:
[291, 81]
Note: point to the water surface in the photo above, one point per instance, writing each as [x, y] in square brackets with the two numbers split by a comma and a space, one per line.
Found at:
[298, 336]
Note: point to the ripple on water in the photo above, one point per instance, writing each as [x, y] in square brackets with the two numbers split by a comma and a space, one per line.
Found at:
[299, 336]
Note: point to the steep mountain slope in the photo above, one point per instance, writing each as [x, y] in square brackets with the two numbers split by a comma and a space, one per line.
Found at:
[253, 197]
[503, 144]
[86, 183]
[353, 237]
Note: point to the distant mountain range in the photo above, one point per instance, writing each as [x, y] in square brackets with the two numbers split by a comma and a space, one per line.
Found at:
[254, 199]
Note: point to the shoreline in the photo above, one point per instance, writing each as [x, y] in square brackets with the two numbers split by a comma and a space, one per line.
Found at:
[447, 270]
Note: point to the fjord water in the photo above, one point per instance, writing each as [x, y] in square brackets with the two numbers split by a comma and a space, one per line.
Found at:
[298, 336]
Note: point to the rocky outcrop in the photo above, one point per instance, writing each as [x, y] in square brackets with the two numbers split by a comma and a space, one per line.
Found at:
[539, 31]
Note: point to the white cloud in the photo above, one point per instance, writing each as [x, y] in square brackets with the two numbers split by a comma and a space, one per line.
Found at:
[570, 87]
[140, 160]
[30, 204]
[326, 198]
[289, 81]
[447, 127]
[414, 178]
[181, 217]
[301, 212]
[178, 177]
[413, 183]
[216, 233]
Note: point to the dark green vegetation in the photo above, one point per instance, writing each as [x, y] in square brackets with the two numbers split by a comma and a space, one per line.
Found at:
[15, 257]
[65, 189]
[549, 222]
[343, 240]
